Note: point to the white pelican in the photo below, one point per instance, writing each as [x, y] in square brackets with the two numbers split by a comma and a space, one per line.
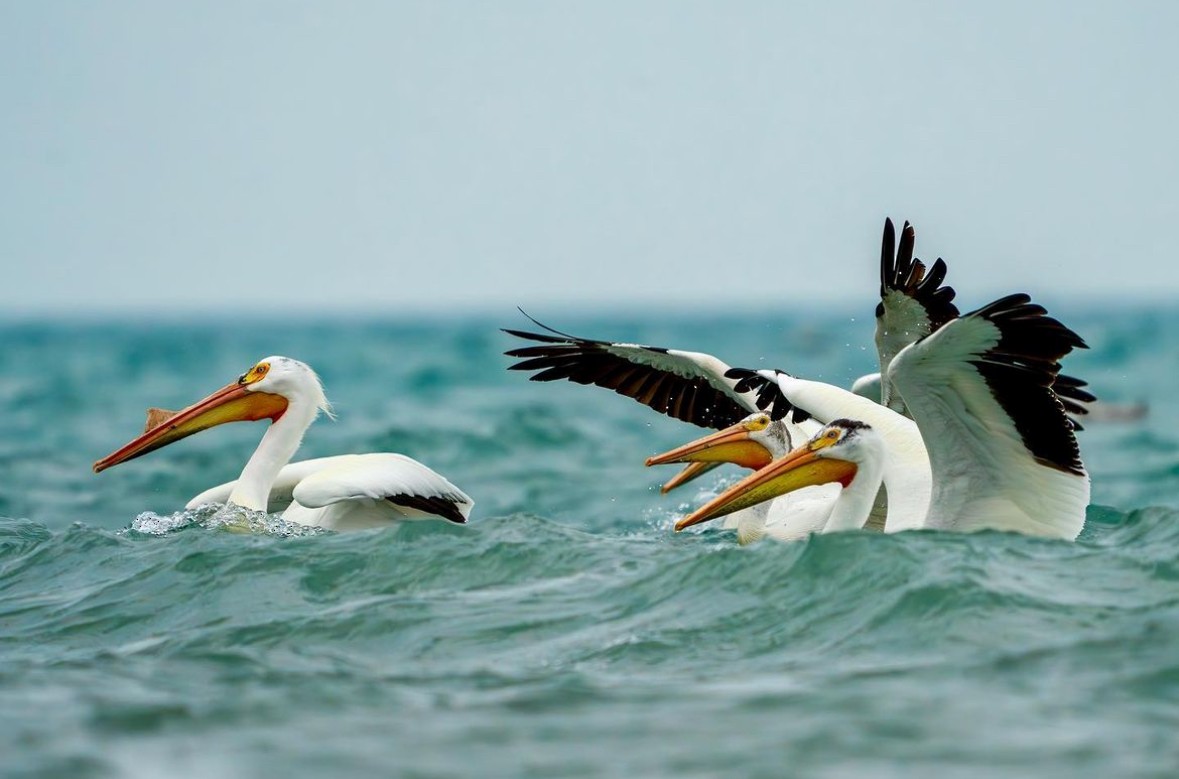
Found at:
[347, 492]
[689, 386]
[749, 443]
[1000, 443]
[913, 305]
[696, 387]
[845, 452]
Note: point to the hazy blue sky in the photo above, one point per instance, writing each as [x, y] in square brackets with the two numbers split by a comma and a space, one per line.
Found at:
[391, 156]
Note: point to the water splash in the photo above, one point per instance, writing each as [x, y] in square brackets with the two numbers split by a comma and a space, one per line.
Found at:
[220, 516]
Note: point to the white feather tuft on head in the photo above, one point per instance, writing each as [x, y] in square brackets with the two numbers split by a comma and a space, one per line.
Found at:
[322, 404]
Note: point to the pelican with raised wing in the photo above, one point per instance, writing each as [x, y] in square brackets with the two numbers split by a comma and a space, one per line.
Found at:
[699, 388]
[346, 492]
[1000, 443]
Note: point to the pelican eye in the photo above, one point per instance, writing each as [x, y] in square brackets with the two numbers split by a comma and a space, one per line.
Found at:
[257, 373]
[758, 423]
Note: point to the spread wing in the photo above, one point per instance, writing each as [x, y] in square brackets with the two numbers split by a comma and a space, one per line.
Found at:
[690, 386]
[914, 304]
[1001, 445]
[763, 385]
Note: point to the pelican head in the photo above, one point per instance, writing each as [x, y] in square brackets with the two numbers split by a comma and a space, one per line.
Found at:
[834, 454]
[287, 378]
[269, 390]
[753, 442]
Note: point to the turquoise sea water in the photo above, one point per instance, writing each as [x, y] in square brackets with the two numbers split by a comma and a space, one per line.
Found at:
[566, 631]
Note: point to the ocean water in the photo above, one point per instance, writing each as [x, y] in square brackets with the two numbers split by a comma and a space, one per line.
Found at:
[566, 631]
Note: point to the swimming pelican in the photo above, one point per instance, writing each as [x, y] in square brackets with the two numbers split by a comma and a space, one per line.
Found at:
[1000, 444]
[845, 452]
[754, 442]
[346, 492]
[913, 305]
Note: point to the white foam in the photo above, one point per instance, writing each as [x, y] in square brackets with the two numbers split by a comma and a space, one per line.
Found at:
[220, 516]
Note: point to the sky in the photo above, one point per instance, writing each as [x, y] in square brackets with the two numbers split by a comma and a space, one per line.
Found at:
[379, 157]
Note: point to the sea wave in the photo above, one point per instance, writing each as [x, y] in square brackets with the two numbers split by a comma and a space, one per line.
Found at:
[566, 631]
[159, 626]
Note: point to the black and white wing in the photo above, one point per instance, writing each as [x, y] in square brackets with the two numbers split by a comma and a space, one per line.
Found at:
[913, 302]
[690, 386]
[352, 491]
[400, 485]
[1074, 396]
[763, 385]
[1001, 446]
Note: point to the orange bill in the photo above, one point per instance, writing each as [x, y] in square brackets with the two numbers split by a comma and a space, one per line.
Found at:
[690, 472]
[801, 468]
[232, 403]
[731, 445]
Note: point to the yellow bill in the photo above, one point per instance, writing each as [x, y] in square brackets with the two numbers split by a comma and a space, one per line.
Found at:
[734, 445]
[691, 471]
[232, 403]
[801, 468]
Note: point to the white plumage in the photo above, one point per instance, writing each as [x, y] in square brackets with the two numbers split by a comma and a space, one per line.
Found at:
[346, 492]
[1000, 447]
[984, 475]
[983, 389]
[349, 491]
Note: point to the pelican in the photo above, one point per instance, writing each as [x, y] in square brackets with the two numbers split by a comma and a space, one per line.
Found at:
[687, 385]
[846, 452]
[754, 442]
[913, 305]
[1001, 447]
[346, 492]
[696, 387]
[684, 385]
[906, 473]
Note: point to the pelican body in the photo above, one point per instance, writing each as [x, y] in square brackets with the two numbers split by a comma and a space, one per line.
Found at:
[1001, 447]
[346, 492]
[695, 387]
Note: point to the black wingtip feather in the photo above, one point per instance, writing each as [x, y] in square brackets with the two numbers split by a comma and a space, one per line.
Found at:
[887, 249]
[769, 394]
[901, 272]
[1075, 399]
[445, 506]
[540, 337]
